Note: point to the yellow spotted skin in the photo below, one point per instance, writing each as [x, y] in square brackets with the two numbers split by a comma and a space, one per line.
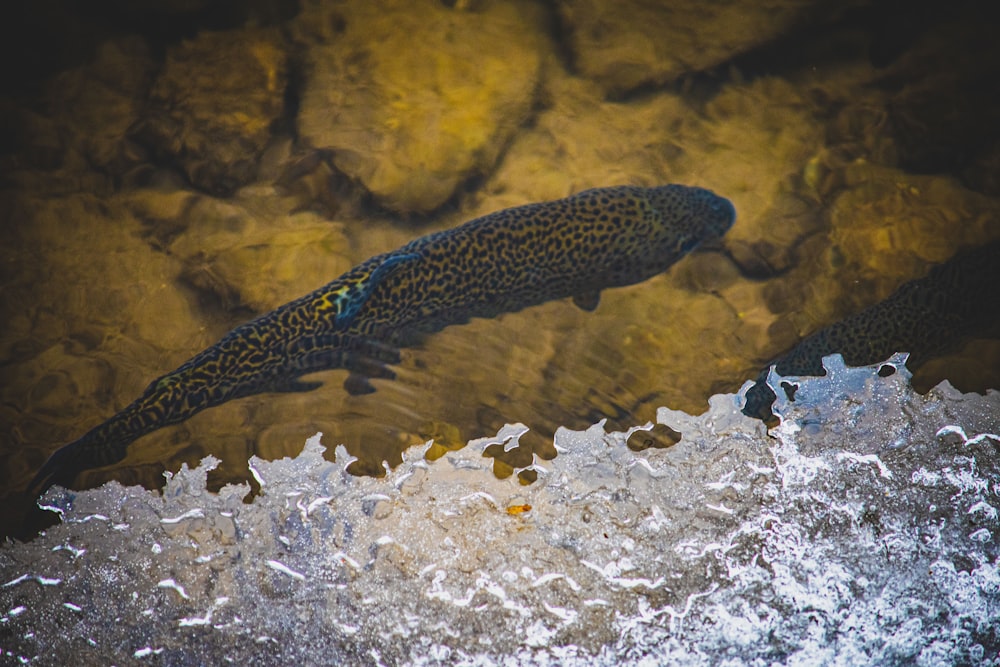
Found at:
[502, 262]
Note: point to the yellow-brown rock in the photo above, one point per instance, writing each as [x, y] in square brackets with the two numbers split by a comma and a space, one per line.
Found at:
[407, 103]
[631, 43]
[213, 107]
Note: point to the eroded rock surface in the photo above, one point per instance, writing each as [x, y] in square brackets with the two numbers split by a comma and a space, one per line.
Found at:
[213, 108]
[625, 45]
[406, 102]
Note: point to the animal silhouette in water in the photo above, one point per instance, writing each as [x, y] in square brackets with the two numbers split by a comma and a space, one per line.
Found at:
[502, 262]
[926, 317]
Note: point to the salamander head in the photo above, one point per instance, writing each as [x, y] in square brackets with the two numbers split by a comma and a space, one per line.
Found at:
[667, 222]
[689, 216]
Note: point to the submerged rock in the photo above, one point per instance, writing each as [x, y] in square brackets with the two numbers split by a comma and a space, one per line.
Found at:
[98, 103]
[408, 101]
[625, 45]
[213, 108]
[67, 333]
[74, 137]
[228, 245]
[888, 227]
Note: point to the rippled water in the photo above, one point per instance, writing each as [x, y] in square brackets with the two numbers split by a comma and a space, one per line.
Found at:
[860, 531]
[142, 219]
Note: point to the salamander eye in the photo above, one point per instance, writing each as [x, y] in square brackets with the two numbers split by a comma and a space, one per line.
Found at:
[686, 245]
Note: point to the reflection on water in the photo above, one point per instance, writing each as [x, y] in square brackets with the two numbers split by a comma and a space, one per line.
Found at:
[144, 217]
[844, 535]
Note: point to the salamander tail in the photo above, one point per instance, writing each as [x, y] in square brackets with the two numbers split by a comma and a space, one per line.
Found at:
[61, 468]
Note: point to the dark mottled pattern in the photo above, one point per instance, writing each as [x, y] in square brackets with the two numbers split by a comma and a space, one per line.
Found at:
[502, 262]
[927, 317]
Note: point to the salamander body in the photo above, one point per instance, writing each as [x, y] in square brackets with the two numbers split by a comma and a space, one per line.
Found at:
[926, 318]
[502, 262]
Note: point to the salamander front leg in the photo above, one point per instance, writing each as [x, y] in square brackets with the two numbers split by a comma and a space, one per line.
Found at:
[364, 368]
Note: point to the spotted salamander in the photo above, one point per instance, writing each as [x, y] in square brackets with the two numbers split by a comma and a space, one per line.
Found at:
[502, 262]
[927, 318]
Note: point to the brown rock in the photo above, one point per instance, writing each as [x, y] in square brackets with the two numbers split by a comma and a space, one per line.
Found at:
[72, 137]
[627, 44]
[213, 107]
[888, 226]
[227, 247]
[98, 102]
[413, 98]
[95, 315]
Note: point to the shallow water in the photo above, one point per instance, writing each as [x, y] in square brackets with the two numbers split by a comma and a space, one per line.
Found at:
[118, 264]
[860, 531]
